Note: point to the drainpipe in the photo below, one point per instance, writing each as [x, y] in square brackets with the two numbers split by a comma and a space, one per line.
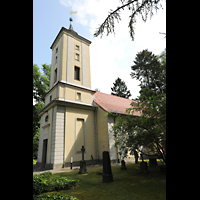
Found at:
[64, 140]
[96, 134]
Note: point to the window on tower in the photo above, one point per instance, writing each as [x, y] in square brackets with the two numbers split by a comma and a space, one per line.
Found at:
[76, 73]
[55, 75]
[78, 96]
[77, 56]
[77, 47]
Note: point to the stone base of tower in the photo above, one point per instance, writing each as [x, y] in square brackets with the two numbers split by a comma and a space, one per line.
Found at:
[47, 166]
[50, 166]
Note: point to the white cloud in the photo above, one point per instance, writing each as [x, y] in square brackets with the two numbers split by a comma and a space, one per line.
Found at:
[90, 12]
[107, 64]
[112, 56]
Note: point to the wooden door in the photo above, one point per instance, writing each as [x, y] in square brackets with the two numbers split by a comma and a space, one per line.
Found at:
[44, 153]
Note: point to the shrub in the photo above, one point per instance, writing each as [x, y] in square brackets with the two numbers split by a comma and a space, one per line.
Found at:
[61, 183]
[43, 183]
[46, 175]
[55, 196]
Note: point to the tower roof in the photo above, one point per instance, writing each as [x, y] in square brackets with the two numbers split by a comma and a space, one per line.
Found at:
[70, 31]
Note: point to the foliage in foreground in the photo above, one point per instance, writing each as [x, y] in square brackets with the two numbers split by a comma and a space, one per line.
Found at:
[128, 184]
[43, 183]
[55, 196]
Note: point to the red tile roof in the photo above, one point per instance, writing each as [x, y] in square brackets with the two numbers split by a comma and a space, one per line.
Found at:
[114, 104]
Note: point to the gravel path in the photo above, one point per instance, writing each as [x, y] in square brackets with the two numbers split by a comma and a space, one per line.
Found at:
[75, 168]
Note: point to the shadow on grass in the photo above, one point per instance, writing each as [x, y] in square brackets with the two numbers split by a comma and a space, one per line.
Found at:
[127, 184]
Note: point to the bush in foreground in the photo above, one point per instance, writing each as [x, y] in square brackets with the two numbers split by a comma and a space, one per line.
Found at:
[43, 183]
[55, 196]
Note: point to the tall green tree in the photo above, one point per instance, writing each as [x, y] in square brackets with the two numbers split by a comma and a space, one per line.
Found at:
[149, 129]
[41, 82]
[137, 8]
[147, 69]
[120, 89]
[36, 126]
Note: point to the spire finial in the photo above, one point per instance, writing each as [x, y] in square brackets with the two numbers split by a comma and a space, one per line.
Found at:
[70, 26]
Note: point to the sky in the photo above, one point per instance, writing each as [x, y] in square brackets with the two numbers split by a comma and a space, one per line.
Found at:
[110, 56]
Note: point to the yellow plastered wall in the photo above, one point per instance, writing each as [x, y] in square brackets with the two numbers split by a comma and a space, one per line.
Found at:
[71, 50]
[54, 93]
[63, 70]
[72, 114]
[88, 67]
[102, 126]
[70, 93]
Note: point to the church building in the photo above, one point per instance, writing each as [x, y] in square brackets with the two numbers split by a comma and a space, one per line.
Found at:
[74, 115]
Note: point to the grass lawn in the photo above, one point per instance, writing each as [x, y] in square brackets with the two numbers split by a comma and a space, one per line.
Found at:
[128, 184]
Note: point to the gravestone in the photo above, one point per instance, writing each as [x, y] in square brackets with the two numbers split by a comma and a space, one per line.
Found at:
[82, 150]
[92, 159]
[136, 156]
[82, 169]
[123, 165]
[143, 166]
[107, 172]
[153, 165]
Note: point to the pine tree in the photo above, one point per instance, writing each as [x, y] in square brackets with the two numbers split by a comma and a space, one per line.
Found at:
[120, 89]
[147, 69]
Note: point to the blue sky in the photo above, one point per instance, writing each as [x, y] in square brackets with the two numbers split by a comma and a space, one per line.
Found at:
[49, 16]
[110, 56]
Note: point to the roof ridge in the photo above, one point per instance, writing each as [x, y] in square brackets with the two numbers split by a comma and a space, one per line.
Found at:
[114, 104]
[117, 96]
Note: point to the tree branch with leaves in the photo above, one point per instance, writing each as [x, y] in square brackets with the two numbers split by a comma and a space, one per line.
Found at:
[143, 8]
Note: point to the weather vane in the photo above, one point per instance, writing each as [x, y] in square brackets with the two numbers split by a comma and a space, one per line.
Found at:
[70, 19]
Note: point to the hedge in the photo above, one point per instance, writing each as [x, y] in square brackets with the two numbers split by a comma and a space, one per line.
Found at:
[43, 183]
[55, 196]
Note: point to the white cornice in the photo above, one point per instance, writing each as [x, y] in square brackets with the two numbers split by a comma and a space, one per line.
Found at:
[76, 85]
[76, 102]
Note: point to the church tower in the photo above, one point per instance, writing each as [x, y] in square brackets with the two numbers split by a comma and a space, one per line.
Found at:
[68, 120]
[70, 58]
[74, 115]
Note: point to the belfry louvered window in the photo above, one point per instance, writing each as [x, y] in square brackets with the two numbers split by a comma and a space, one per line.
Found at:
[77, 73]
